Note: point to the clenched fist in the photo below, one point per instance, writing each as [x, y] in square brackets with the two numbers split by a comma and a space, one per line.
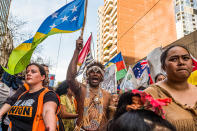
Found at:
[79, 43]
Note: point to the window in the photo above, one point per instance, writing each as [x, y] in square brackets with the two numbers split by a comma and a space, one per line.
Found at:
[195, 11]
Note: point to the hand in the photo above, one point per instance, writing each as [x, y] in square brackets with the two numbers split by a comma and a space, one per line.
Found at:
[79, 43]
[47, 129]
[76, 115]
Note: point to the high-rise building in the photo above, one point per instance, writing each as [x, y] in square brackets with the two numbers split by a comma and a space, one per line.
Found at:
[6, 42]
[4, 11]
[100, 34]
[107, 31]
[186, 16]
[142, 25]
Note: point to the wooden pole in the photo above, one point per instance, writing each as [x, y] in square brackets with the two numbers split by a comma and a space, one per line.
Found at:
[84, 21]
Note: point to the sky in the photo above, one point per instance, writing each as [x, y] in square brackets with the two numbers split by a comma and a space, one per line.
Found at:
[35, 12]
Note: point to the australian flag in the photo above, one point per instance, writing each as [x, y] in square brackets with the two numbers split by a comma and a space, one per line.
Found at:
[139, 68]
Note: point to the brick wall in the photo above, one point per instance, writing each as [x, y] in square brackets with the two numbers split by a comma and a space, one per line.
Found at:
[144, 25]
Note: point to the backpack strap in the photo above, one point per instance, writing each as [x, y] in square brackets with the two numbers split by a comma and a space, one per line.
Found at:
[75, 102]
[26, 86]
[38, 119]
[38, 123]
[58, 106]
[10, 126]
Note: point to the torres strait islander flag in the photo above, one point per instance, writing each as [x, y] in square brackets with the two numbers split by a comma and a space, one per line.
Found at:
[120, 66]
[67, 19]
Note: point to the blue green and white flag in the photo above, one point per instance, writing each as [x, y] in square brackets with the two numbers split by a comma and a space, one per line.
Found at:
[67, 19]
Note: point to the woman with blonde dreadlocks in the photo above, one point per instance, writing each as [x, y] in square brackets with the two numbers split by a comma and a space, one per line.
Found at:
[92, 101]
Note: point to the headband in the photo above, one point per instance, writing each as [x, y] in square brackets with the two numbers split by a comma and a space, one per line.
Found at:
[95, 69]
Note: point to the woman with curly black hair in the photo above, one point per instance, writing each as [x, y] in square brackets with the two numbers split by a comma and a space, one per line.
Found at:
[137, 111]
[68, 106]
[140, 120]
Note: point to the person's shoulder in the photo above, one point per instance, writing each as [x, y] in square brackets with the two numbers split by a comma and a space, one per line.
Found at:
[194, 87]
[62, 96]
[151, 87]
[63, 99]
[81, 85]
[50, 88]
[104, 91]
[155, 90]
[51, 92]
[51, 96]
[107, 94]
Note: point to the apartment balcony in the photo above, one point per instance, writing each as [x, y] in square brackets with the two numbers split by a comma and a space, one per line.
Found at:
[114, 18]
[115, 22]
[113, 51]
[106, 17]
[106, 29]
[106, 34]
[109, 2]
[108, 37]
[115, 42]
[112, 55]
[115, 2]
[106, 52]
[106, 23]
[115, 27]
[115, 35]
[109, 43]
[109, 8]
[113, 11]
[106, 58]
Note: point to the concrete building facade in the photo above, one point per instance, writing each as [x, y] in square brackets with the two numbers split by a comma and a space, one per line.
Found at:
[100, 25]
[107, 32]
[186, 17]
[142, 25]
[4, 11]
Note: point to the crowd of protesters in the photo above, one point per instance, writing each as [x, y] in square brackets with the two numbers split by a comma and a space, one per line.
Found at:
[169, 104]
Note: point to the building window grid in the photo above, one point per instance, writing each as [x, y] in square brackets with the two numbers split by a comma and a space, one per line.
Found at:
[4, 14]
[188, 20]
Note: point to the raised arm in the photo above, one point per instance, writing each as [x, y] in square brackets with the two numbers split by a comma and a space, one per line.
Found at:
[72, 68]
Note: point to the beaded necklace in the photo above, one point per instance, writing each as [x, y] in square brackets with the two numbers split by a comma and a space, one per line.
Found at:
[90, 106]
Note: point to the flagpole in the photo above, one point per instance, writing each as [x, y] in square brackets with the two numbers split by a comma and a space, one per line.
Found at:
[93, 45]
[84, 21]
